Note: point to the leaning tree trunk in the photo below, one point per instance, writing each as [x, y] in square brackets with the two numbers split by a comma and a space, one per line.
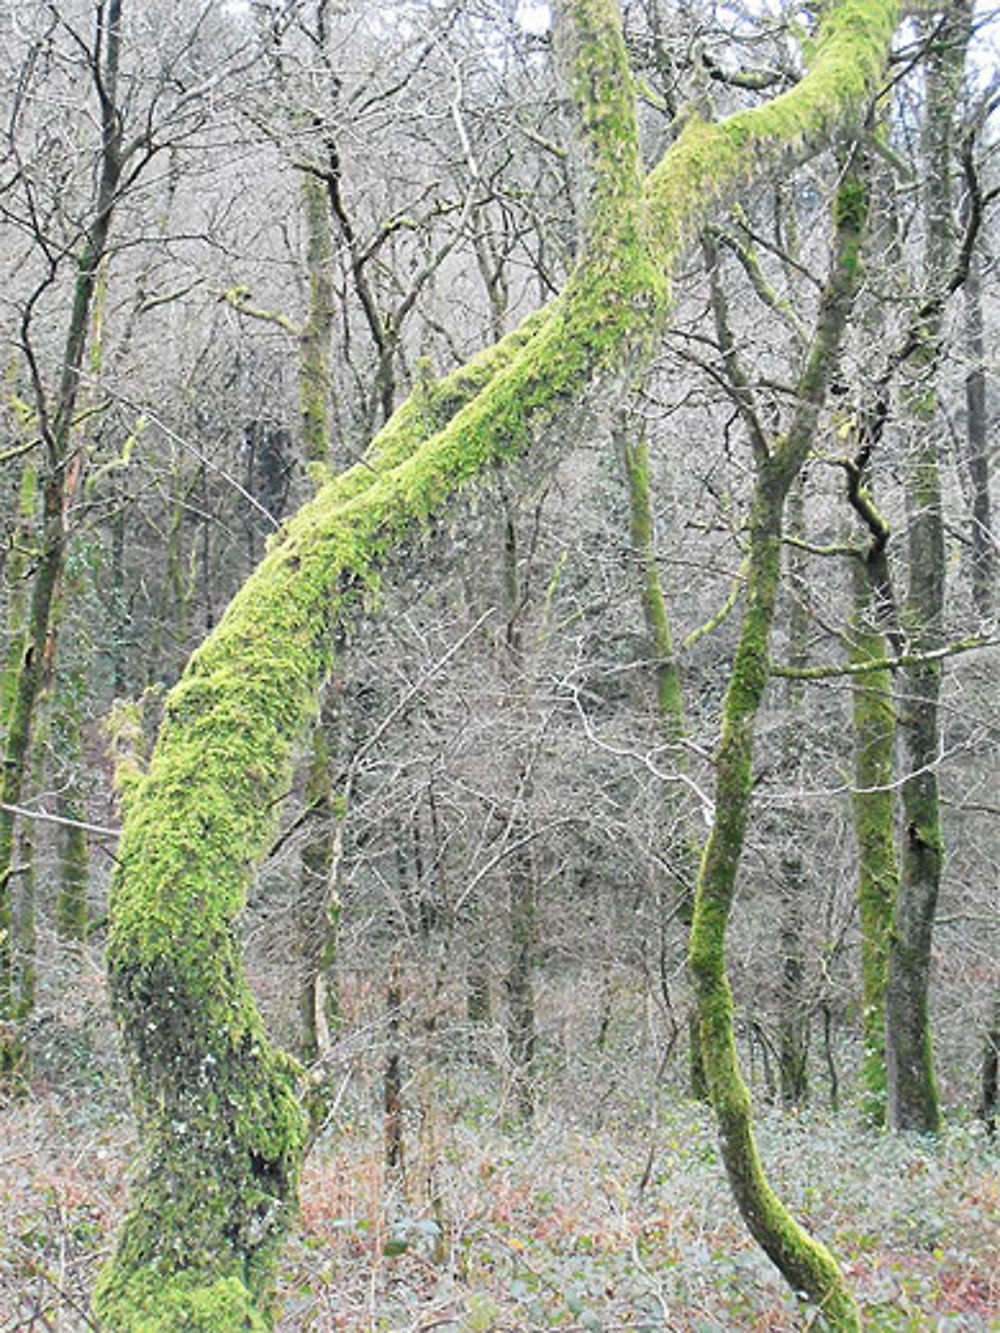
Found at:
[221, 1128]
[805, 1264]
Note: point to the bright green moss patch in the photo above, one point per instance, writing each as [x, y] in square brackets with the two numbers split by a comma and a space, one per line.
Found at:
[181, 1305]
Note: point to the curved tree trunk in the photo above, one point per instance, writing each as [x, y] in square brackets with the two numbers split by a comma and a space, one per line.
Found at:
[803, 1262]
[222, 1129]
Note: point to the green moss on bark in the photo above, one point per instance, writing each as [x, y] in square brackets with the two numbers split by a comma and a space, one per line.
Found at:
[222, 1130]
[805, 1264]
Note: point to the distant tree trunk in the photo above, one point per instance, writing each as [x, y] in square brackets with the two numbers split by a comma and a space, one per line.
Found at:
[982, 537]
[793, 1019]
[633, 448]
[989, 1083]
[983, 545]
[520, 979]
[520, 863]
[392, 1088]
[478, 998]
[913, 1096]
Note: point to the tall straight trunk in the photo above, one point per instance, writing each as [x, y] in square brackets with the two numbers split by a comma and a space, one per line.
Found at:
[520, 864]
[17, 897]
[319, 894]
[983, 569]
[522, 1038]
[392, 1086]
[805, 1264]
[793, 1007]
[982, 539]
[873, 807]
[913, 1095]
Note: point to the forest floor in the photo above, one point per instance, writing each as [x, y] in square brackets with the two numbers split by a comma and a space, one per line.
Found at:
[619, 1221]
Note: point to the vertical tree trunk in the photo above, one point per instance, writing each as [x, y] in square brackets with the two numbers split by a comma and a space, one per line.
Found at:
[913, 1095]
[982, 538]
[395, 1132]
[633, 448]
[873, 803]
[793, 1021]
[520, 864]
[873, 798]
[319, 896]
[989, 1082]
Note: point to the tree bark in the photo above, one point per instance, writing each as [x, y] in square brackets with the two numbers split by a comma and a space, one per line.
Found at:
[872, 798]
[222, 1131]
[793, 1015]
[804, 1263]
[913, 1095]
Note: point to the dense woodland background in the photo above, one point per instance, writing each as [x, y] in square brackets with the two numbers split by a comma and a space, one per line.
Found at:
[473, 917]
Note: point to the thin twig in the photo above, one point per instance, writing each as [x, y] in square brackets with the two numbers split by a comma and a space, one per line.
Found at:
[46, 818]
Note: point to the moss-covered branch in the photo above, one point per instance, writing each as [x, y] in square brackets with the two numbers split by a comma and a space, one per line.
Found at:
[222, 1130]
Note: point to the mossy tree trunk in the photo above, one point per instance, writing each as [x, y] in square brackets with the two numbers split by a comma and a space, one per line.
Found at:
[873, 801]
[221, 1128]
[519, 865]
[913, 1095]
[804, 1262]
[873, 805]
[17, 899]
